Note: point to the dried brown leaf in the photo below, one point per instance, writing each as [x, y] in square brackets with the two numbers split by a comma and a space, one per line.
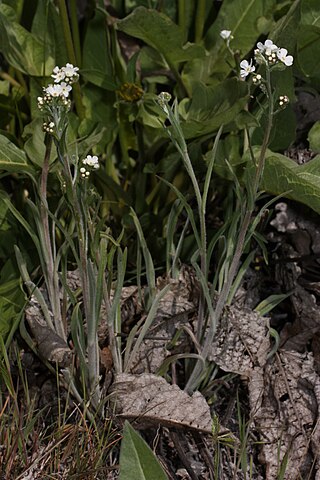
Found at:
[287, 413]
[150, 400]
[174, 311]
[241, 342]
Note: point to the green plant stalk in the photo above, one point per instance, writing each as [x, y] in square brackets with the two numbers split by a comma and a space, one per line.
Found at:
[182, 17]
[78, 210]
[71, 53]
[183, 149]
[200, 20]
[75, 31]
[234, 266]
[52, 281]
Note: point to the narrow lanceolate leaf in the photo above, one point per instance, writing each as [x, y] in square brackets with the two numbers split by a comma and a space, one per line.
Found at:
[12, 159]
[137, 461]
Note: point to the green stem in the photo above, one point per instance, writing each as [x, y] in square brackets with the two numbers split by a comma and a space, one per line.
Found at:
[75, 31]
[200, 20]
[183, 149]
[72, 56]
[182, 17]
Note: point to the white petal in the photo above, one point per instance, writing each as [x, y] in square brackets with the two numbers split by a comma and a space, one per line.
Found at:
[244, 64]
[288, 60]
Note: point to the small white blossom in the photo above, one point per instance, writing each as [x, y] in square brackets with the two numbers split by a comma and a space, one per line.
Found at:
[53, 90]
[65, 89]
[58, 74]
[226, 34]
[267, 48]
[69, 70]
[284, 58]
[91, 161]
[246, 68]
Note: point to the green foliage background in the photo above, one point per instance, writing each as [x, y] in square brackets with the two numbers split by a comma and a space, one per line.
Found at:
[127, 55]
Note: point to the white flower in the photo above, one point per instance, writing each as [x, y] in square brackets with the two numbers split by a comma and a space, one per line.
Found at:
[267, 48]
[58, 74]
[246, 68]
[54, 90]
[65, 89]
[225, 34]
[284, 58]
[69, 70]
[91, 161]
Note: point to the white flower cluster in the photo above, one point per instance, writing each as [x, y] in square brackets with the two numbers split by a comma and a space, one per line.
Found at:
[266, 53]
[58, 92]
[90, 161]
[69, 74]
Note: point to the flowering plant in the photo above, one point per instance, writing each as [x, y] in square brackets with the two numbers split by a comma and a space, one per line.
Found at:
[270, 56]
[82, 238]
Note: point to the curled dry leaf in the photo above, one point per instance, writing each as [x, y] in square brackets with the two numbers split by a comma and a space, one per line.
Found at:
[49, 344]
[149, 400]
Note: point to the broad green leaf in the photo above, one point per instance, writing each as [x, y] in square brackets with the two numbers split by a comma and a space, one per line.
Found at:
[100, 108]
[298, 182]
[308, 45]
[12, 159]
[21, 49]
[34, 145]
[310, 12]
[97, 65]
[159, 31]
[99, 78]
[247, 19]
[283, 130]
[46, 26]
[137, 461]
[211, 107]
[309, 38]
[314, 137]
